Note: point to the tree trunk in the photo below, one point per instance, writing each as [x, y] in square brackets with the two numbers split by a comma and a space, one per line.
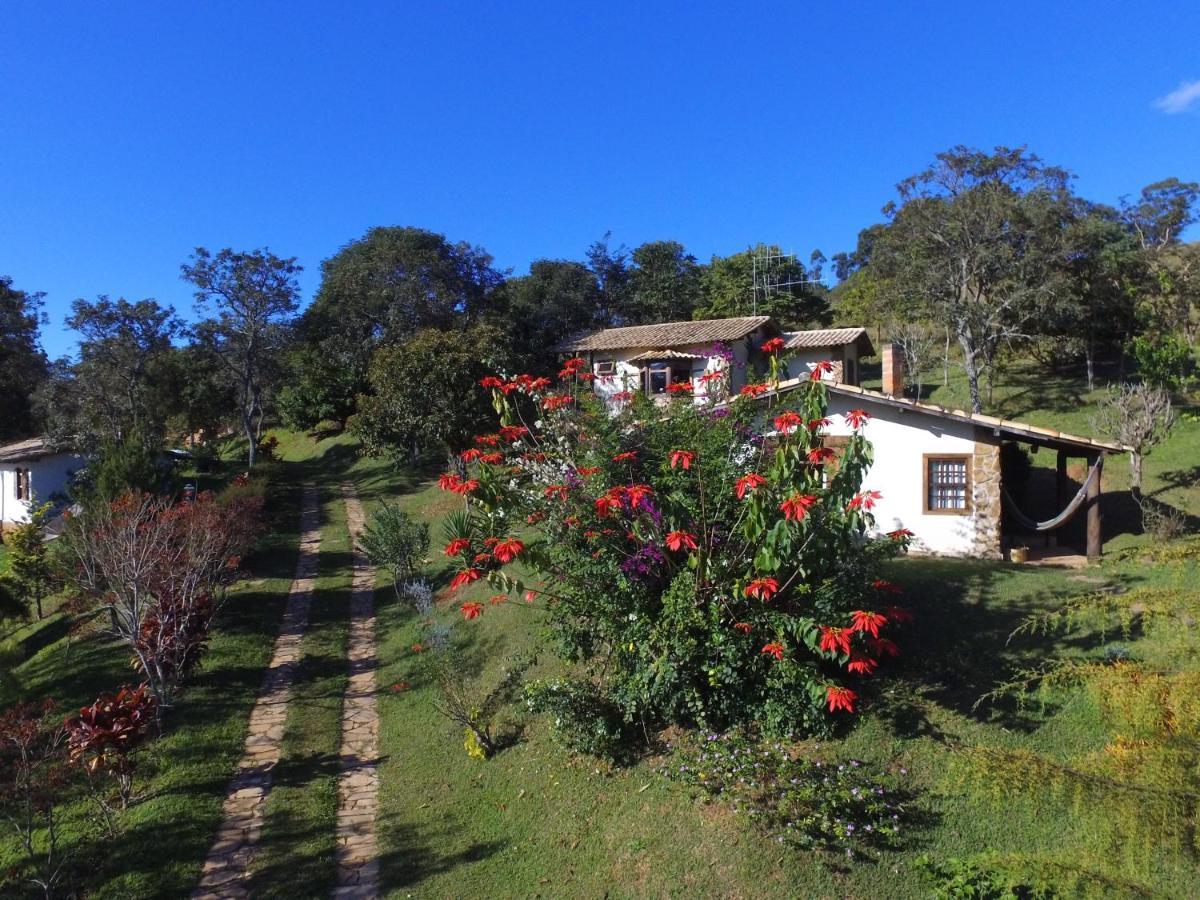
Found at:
[971, 368]
[1135, 476]
[1090, 357]
[946, 360]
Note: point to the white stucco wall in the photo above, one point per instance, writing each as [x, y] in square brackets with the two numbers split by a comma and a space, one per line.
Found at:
[900, 439]
[49, 475]
[801, 362]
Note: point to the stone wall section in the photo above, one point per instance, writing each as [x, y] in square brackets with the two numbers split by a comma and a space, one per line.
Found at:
[985, 490]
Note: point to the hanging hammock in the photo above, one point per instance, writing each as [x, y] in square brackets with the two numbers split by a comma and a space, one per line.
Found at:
[1050, 524]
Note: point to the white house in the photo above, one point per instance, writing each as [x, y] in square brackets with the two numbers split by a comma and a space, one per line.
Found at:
[30, 470]
[940, 471]
[651, 357]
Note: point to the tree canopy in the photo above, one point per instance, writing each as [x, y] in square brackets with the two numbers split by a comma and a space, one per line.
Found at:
[23, 365]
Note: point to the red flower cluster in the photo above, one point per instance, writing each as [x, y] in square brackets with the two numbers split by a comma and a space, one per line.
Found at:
[627, 456]
[754, 390]
[448, 481]
[747, 483]
[456, 546]
[821, 455]
[464, 577]
[864, 500]
[834, 640]
[867, 622]
[683, 458]
[679, 540]
[508, 549]
[471, 610]
[774, 345]
[680, 387]
[557, 401]
[774, 649]
[762, 588]
[796, 507]
[821, 369]
[857, 418]
[513, 433]
[840, 698]
[555, 490]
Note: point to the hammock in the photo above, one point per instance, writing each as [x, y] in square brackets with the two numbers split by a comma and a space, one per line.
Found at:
[1050, 524]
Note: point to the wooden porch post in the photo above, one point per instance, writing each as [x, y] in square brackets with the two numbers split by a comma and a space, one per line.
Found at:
[1095, 528]
[1060, 483]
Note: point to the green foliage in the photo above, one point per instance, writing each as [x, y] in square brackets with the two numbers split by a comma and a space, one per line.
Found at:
[393, 541]
[584, 720]
[1164, 360]
[697, 596]
[729, 290]
[321, 387]
[462, 701]
[121, 466]
[811, 804]
[424, 395]
[22, 362]
[30, 575]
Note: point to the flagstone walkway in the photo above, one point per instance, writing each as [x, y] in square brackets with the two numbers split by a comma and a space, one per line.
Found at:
[227, 868]
[358, 784]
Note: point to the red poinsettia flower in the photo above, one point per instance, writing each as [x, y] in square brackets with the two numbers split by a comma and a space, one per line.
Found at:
[516, 384]
[417, 648]
[470, 453]
[818, 424]
[606, 505]
[821, 455]
[710, 377]
[538, 384]
[491, 381]
[497, 599]
[465, 487]
[588, 471]
[867, 622]
[623, 396]
[678, 540]
[679, 387]
[774, 345]
[627, 456]
[571, 521]
[743, 627]
[466, 576]
[530, 596]
[683, 458]
[747, 483]
[880, 585]
[448, 481]
[557, 401]
[555, 490]
[840, 698]
[481, 558]
[787, 423]
[492, 459]
[508, 549]
[899, 614]
[864, 500]
[861, 664]
[513, 433]
[774, 649]
[637, 493]
[857, 418]
[884, 647]
[762, 588]
[577, 362]
[834, 640]
[456, 546]
[471, 610]
[900, 534]
[796, 507]
[487, 440]
[754, 390]
[821, 369]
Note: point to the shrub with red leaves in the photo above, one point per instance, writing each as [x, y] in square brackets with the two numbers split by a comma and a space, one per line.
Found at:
[104, 737]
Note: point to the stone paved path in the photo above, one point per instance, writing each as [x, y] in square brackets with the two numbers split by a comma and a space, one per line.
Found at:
[227, 867]
[358, 784]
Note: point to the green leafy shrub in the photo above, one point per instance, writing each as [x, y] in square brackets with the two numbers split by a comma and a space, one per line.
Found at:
[585, 721]
[1164, 360]
[717, 562]
[811, 804]
[392, 540]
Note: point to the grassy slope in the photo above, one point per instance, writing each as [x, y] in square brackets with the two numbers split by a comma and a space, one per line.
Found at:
[183, 778]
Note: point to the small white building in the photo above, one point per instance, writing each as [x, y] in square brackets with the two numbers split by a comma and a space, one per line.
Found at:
[651, 357]
[941, 475]
[32, 471]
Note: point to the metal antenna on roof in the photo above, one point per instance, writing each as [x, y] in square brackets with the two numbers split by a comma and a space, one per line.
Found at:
[774, 272]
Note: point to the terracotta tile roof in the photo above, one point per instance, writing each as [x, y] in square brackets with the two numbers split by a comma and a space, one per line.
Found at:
[1020, 430]
[829, 337]
[666, 334]
[30, 448]
[650, 355]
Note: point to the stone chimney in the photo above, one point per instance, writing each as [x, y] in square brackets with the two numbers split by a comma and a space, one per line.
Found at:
[893, 370]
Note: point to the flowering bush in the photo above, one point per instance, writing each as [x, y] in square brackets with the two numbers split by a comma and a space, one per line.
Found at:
[712, 560]
[809, 803]
[584, 720]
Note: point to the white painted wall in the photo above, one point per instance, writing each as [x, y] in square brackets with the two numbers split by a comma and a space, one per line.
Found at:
[49, 475]
[900, 438]
[801, 362]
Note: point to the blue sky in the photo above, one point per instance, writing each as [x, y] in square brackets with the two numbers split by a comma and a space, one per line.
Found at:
[136, 131]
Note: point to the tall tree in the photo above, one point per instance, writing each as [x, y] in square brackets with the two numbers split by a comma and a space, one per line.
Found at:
[611, 270]
[1162, 211]
[380, 289]
[23, 365]
[976, 238]
[556, 299]
[787, 291]
[664, 283]
[253, 295]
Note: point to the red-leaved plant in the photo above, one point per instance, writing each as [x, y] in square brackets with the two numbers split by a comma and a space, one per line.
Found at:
[160, 569]
[104, 737]
[714, 562]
